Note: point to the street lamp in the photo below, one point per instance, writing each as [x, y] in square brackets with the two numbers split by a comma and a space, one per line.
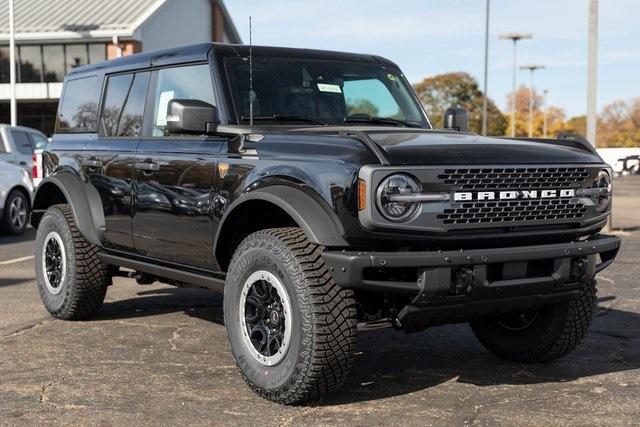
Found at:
[544, 116]
[514, 37]
[486, 71]
[12, 68]
[531, 68]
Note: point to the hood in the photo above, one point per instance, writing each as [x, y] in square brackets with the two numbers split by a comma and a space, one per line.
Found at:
[448, 148]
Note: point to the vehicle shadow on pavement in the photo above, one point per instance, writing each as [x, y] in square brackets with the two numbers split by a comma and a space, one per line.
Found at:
[390, 363]
[12, 281]
[27, 236]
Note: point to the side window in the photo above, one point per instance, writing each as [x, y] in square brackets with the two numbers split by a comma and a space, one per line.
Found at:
[23, 143]
[78, 111]
[190, 82]
[130, 123]
[38, 141]
[115, 95]
[123, 105]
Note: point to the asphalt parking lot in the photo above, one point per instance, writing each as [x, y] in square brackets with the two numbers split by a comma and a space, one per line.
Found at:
[158, 355]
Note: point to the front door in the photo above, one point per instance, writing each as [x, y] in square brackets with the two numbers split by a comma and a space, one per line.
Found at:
[174, 175]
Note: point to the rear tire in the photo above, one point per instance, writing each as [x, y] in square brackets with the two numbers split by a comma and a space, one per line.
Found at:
[15, 216]
[72, 280]
[540, 336]
[315, 355]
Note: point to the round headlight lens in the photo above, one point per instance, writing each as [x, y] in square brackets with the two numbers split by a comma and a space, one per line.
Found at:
[395, 185]
[603, 198]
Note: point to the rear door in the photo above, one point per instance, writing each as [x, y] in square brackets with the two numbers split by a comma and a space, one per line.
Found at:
[23, 149]
[174, 175]
[108, 161]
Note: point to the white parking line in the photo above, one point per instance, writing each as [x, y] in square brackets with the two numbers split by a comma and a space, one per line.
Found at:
[17, 260]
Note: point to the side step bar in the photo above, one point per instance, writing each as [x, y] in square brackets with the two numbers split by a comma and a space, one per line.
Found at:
[196, 279]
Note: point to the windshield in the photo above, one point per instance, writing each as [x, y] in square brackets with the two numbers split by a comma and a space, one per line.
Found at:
[319, 92]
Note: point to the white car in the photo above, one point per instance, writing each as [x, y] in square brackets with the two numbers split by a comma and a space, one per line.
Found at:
[16, 193]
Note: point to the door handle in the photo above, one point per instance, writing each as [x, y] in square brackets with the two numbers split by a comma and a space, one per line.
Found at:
[23, 163]
[147, 166]
[91, 163]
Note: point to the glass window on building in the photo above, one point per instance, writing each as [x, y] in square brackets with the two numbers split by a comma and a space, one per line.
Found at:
[4, 64]
[30, 70]
[76, 55]
[97, 52]
[53, 58]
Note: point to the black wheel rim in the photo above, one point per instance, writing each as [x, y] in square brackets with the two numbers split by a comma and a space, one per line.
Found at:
[54, 262]
[265, 315]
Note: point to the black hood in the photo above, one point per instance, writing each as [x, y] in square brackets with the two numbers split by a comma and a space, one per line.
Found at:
[444, 148]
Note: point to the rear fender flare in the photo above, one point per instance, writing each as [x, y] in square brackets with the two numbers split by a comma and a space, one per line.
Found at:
[82, 197]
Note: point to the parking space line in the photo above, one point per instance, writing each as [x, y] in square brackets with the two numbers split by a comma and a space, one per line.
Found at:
[17, 260]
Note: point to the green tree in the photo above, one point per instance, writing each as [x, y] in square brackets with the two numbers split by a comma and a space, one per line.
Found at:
[361, 106]
[439, 92]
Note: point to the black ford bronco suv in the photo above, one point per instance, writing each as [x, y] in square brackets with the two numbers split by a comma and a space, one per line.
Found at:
[311, 188]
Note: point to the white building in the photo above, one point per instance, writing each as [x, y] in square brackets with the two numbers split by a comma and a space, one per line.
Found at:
[54, 36]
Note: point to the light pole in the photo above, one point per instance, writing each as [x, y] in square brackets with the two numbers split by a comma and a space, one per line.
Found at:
[592, 71]
[514, 37]
[544, 116]
[531, 69]
[12, 68]
[486, 71]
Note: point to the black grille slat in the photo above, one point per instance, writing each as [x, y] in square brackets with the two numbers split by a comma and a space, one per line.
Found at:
[514, 178]
[513, 211]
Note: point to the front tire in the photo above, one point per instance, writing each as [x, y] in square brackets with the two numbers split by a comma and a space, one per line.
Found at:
[291, 329]
[72, 280]
[539, 336]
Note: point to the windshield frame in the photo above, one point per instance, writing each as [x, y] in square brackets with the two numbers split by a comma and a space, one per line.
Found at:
[236, 116]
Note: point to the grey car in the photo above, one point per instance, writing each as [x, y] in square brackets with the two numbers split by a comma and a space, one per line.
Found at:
[16, 194]
[18, 145]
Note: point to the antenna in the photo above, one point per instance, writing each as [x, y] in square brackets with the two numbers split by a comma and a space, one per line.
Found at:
[250, 76]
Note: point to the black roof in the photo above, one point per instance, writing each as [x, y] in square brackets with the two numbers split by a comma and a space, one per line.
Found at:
[200, 52]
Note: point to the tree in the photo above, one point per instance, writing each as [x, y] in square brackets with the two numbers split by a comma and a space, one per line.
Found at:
[522, 111]
[439, 92]
[619, 124]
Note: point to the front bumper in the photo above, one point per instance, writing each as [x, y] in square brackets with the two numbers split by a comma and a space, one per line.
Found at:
[460, 285]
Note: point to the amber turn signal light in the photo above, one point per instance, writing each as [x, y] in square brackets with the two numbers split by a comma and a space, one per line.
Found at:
[362, 195]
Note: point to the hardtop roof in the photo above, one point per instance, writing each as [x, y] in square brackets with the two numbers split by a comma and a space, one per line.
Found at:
[200, 52]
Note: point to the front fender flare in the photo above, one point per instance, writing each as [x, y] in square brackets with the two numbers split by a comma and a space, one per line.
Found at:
[83, 198]
[320, 224]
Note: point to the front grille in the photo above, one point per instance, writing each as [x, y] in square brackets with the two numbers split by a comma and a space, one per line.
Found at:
[514, 178]
[516, 210]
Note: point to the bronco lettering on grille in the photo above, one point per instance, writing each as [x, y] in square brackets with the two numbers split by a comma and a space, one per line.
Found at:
[513, 195]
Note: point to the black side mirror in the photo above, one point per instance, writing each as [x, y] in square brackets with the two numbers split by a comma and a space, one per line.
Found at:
[191, 116]
[456, 118]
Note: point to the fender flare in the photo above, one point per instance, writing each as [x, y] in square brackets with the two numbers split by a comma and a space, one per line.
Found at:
[83, 198]
[320, 224]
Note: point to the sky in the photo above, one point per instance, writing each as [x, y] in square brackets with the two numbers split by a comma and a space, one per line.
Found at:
[428, 37]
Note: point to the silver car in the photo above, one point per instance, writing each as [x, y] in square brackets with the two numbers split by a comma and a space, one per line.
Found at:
[16, 192]
[18, 145]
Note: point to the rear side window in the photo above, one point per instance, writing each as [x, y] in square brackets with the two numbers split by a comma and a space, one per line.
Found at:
[78, 111]
[23, 143]
[190, 82]
[123, 106]
[38, 141]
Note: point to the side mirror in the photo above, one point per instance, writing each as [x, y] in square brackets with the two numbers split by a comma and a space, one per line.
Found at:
[456, 118]
[191, 116]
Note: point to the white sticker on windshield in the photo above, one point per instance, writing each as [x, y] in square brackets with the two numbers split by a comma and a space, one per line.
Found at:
[163, 103]
[324, 87]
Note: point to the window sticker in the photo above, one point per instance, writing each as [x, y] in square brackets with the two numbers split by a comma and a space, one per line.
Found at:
[325, 87]
[163, 103]
[391, 77]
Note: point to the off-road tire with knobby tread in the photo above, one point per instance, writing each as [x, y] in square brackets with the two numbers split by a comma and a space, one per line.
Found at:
[555, 332]
[323, 336]
[87, 277]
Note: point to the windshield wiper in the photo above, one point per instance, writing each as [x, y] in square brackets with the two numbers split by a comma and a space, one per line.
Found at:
[277, 117]
[380, 120]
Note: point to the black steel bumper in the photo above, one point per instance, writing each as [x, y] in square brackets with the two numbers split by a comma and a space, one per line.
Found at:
[459, 285]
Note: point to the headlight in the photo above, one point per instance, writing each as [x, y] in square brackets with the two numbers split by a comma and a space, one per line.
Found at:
[388, 201]
[602, 198]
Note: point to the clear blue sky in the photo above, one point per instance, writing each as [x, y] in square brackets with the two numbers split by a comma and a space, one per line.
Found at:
[427, 37]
